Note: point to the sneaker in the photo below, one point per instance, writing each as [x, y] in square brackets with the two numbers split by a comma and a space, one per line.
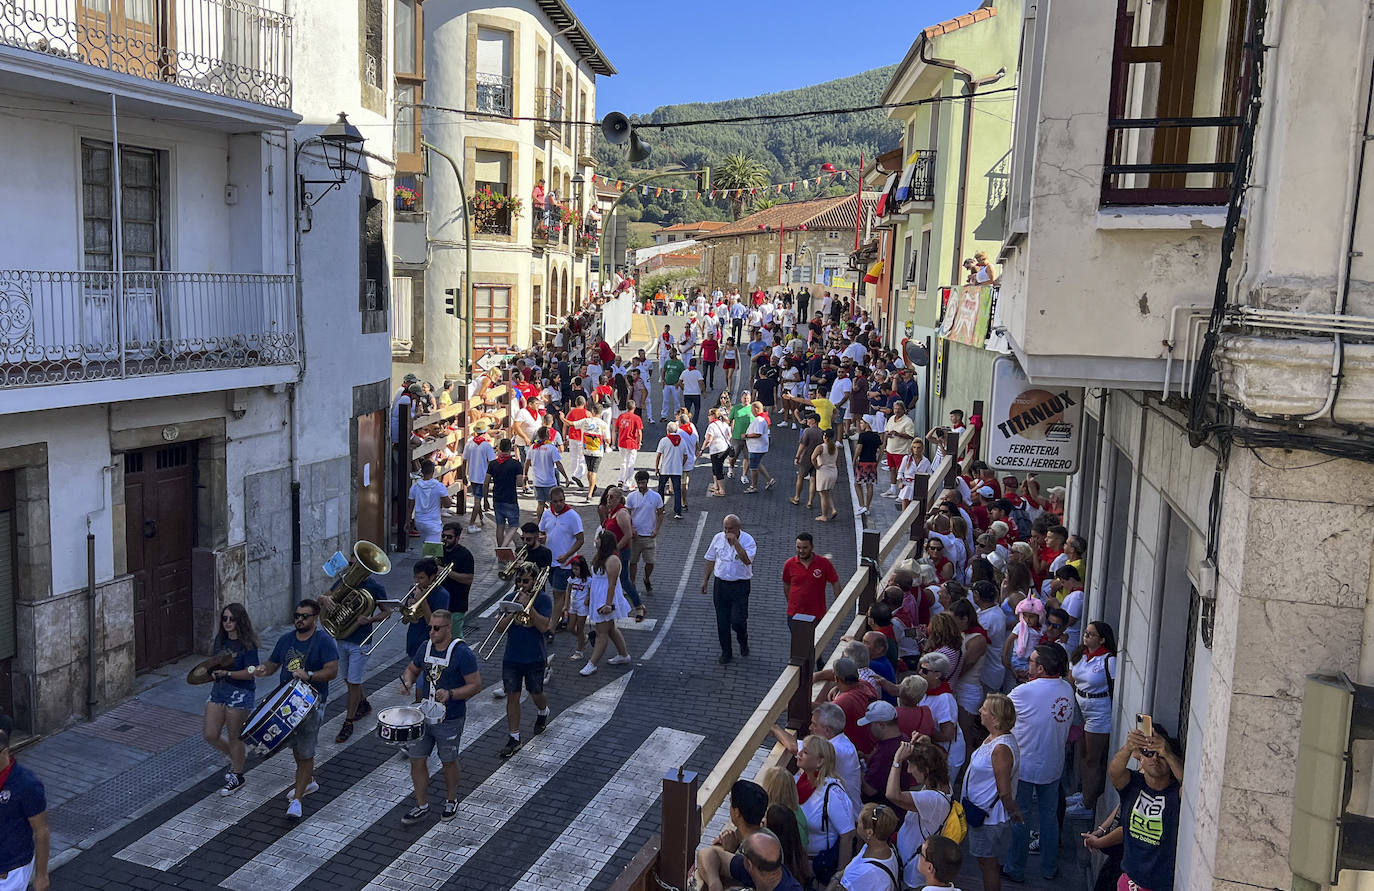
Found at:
[770, 484]
[309, 790]
[540, 722]
[450, 811]
[512, 746]
[233, 782]
[345, 731]
[744, 648]
[498, 693]
[677, 516]
[1079, 812]
[576, 655]
[1034, 846]
[364, 709]
[619, 660]
[750, 490]
[414, 815]
[293, 809]
[588, 670]
[891, 492]
[474, 529]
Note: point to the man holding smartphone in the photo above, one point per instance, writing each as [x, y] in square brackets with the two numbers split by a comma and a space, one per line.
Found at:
[1149, 807]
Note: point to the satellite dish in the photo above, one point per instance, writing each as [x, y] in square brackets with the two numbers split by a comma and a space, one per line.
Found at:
[616, 128]
[915, 353]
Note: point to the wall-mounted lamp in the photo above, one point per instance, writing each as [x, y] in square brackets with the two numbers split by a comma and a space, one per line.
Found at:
[342, 144]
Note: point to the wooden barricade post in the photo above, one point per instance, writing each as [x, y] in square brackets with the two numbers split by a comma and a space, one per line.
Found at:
[868, 564]
[922, 502]
[803, 655]
[400, 489]
[681, 828]
[951, 445]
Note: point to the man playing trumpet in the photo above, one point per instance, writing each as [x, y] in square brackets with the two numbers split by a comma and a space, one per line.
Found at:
[526, 651]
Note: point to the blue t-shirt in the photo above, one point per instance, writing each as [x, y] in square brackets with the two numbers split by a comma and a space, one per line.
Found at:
[450, 677]
[378, 592]
[1150, 819]
[21, 798]
[417, 632]
[885, 670]
[741, 876]
[244, 657]
[310, 654]
[525, 645]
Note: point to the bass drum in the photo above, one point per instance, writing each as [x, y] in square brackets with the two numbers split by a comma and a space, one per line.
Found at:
[400, 725]
[278, 715]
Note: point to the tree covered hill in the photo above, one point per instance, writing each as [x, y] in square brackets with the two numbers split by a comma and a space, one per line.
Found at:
[791, 149]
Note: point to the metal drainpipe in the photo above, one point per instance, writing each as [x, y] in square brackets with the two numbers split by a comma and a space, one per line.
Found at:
[91, 697]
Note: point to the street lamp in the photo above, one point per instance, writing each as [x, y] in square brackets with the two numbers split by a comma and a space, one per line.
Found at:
[342, 144]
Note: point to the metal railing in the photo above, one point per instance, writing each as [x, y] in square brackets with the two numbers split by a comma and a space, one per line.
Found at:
[550, 107]
[492, 222]
[494, 94]
[60, 327]
[225, 47]
[922, 177]
[1148, 160]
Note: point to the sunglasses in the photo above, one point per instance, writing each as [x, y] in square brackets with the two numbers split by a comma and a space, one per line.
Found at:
[300, 616]
[935, 547]
[437, 627]
[1149, 753]
[1059, 625]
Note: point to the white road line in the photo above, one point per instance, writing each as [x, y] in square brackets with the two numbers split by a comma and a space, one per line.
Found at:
[438, 854]
[687, 573]
[293, 857]
[632, 625]
[593, 837]
[184, 834]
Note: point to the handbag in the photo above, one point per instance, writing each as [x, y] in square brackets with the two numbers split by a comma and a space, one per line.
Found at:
[973, 814]
[826, 863]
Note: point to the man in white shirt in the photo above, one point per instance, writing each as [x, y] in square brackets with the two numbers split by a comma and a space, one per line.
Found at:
[1044, 714]
[562, 528]
[427, 496]
[544, 462]
[692, 381]
[730, 562]
[898, 440]
[646, 516]
[477, 454]
[839, 395]
[855, 352]
[669, 459]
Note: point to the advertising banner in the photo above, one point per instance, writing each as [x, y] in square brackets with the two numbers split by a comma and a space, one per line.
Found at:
[970, 316]
[1032, 428]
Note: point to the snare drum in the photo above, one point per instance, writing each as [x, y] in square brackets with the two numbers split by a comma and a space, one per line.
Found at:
[433, 711]
[400, 725]
[278, 715]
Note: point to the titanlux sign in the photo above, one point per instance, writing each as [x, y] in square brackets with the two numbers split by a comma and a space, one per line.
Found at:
[1032, 428]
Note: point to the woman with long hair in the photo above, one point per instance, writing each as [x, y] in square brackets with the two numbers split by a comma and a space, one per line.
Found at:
[927, 806]
[716, 445]
[607, 603]
[945, 638]
[829, 810]
[231, 697]
[1093, 670]
[782, 792]
[825, 458]
[616, 519]
[782, 821]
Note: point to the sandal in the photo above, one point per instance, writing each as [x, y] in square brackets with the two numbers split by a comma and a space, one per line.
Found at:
[639, 613]
[795, 500]
[576, 655]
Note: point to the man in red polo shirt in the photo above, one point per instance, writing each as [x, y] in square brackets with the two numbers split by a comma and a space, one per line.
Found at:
[805, 576]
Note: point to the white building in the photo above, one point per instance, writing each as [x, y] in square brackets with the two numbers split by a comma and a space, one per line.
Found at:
[507, 60]
[1230, 550]
[192, 385]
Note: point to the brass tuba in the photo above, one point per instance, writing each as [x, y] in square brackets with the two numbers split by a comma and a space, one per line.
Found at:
[352, 602]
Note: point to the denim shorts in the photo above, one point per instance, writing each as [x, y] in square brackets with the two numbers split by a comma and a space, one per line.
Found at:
[352, 662]
[306, 737]
[989, 840]
[232, 697]
[543, 492]
[530, 674]
[446, 735]
[756, 459]
[477, 489]
[558, 578]
[508, 513]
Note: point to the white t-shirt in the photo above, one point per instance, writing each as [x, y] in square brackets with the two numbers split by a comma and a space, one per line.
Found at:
[944, 709]
[932, 809]
[644, 510]
[857, 352]
[757, 444]
[544, 462]
[691, 381]
[524, 419]
[671, 456]
[561, 530]
[835, 810]
[869, 874]
[426, 495]
[842, 387]
[1090, 675]
[847, 766]
[1044, 714]
[994, 622]
[1073, 605]
[477, 455]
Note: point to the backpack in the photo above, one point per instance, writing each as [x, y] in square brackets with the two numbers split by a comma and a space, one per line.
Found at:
[1022, 521]
[955, 827]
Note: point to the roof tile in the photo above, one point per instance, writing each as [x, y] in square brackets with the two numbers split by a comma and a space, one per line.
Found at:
[960, 21]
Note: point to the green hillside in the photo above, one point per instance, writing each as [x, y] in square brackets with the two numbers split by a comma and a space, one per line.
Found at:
[790, 149]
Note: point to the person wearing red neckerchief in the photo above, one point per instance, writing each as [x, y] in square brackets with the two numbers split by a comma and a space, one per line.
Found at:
[629, 436]
[24, 837]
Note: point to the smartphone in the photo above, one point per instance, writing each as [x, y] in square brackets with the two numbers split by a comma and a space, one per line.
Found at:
[1145, 724]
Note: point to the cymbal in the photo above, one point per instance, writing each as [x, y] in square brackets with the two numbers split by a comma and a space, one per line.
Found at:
[201, 674]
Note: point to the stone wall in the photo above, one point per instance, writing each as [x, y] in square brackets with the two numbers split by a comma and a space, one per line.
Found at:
[267, 546]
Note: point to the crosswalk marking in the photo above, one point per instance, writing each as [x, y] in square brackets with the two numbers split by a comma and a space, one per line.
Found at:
[583, 849]
[184, 834]
[293, 857]
[437, 855]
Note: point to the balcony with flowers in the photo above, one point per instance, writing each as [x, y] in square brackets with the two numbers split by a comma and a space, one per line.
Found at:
[494, 213]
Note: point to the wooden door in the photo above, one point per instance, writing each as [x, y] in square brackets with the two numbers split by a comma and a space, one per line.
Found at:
[131, 36]
[371, 476]
[159, 535]
[9, 560]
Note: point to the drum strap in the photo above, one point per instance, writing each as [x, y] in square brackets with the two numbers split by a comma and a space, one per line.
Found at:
[440, 661]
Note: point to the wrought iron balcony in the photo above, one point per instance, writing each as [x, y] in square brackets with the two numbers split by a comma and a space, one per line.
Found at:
[225, 47]
[494, 94]
[550, 107]
[62, 327]
[918, 178]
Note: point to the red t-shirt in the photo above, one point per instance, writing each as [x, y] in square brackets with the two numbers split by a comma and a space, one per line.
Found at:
[603, 349]
[979, 515]
[708, 349]
[805, 585]
[855, 704]
[915, 719]
[630, 429]
[577, 414]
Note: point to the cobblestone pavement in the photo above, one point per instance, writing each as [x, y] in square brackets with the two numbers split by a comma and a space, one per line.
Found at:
[133, 796]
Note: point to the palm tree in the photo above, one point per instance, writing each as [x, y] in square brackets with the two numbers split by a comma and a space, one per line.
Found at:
[738, 171]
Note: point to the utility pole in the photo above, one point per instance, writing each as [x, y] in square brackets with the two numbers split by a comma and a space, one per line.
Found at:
[469, 365]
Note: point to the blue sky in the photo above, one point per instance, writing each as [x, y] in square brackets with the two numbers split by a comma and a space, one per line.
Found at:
[707, 50]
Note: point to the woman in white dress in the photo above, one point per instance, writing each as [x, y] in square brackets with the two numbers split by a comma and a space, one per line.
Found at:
[825, 458]
[606, 603]
[994, 769]
[926, 808]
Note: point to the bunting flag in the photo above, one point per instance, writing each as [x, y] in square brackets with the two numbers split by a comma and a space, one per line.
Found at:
[713, 194]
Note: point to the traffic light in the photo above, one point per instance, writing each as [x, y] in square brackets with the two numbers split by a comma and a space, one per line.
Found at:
[704, 180]
[1331, 832]
[451, 301]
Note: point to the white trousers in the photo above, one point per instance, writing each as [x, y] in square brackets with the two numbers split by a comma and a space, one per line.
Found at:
[672, 400]
[627, 464]
[577, 468]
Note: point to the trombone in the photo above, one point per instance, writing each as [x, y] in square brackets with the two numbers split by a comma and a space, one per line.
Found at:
[524, 618]
[508, 572]
[409, 611]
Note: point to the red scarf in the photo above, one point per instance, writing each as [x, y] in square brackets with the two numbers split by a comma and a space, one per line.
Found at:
[686, 427]
[975, 628]
[942, 688]
[502, 458]
[558, 513]
[674, 439]
[1093, 654]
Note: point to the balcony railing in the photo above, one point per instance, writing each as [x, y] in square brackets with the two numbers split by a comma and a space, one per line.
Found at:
[550, 107]
[917, 182]
[493, 222]
[494, 94]
[60, 327]
[225, 47]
